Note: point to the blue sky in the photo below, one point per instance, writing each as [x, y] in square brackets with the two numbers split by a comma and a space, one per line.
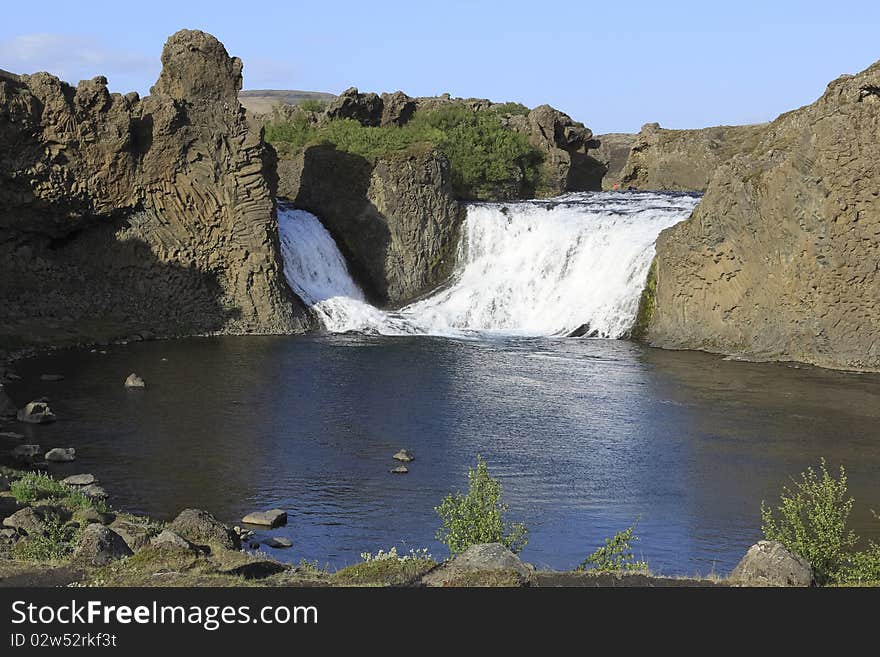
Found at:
[613, 66]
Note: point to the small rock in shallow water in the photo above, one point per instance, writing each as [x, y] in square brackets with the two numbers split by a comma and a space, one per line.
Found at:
[51, 377]
[271, 518]
[61, 454]
[26, 452]
[134, 381]
[36, 413]
[278, 542]
[11, 435]
[400, 469]
[79, 480]
[94, 491]
[404, 455]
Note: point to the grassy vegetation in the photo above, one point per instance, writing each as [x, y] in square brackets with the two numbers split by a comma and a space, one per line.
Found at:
[37, 487]
[478, 516]
[386, 569]
[812, 520]
[616, 555]
[485, 158]
[312, 105]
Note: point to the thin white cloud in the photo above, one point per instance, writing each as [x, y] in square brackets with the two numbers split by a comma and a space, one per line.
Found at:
[77, 57]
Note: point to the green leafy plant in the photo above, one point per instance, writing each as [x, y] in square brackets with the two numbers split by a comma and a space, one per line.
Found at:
[616, 555]
[811, 521]
[478, 516]
[35, 486]
[57, 543]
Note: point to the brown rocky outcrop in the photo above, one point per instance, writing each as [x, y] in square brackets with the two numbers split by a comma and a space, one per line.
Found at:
[612, 154]
[120, 214]
[395, 220]
[683, 160]
[781, 259]
[366, 108]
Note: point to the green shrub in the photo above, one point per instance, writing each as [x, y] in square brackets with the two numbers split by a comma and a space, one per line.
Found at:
[510, 108]
[811, 521]
[35, 486]
[616, 555]
[58, 542]
[486, 160]
[478, 516]
[312, 105]
[863, 567]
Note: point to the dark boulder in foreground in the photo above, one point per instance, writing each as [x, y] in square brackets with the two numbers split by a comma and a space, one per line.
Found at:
[99, 545]
[768, 563]
[201, 528]
[485, 558]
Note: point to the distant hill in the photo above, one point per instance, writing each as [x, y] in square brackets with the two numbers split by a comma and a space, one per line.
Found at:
[261, 101]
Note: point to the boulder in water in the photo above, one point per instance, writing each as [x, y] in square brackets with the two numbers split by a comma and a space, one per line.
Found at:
[26, 452]
[404, 456]
[271, 518]
[36, 413]
[61, 454]
[79, 480]
[400, 469]
[51, 377]
[134, 381]
[278, 542]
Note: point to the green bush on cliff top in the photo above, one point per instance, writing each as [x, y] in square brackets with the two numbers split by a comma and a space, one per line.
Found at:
[486, 159]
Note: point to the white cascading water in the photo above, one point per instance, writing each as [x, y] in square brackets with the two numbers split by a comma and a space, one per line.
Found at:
[532, 268]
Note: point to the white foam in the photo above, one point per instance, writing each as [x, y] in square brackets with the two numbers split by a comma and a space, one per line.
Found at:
[526, 268]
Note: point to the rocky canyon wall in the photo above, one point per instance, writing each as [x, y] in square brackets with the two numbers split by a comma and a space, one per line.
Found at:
[781, 259]
[121, 214]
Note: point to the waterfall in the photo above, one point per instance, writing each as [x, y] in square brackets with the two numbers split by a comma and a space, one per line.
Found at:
[575, 263]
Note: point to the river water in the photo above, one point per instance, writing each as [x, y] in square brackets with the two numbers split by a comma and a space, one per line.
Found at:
[585, 435]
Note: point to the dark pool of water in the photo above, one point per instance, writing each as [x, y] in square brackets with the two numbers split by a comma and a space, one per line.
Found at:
[586, 436]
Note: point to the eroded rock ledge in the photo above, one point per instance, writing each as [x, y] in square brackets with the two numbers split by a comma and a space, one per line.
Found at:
[120, 214]
[781, 259]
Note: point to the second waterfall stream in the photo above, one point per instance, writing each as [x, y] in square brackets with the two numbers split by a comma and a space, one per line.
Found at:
[529, 268]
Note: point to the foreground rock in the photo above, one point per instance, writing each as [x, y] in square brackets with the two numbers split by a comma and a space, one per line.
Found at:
[136, 535]
[79, 480]
[36, 413]
[768, 563]
[134, 381]
[28, 520]
[683, 160]
[779, 260]
[201, 528]
[271, 518]
[99, 545]
[121, 215]
[170, 540]
[396, 220]
[61, 454]
[486, 558]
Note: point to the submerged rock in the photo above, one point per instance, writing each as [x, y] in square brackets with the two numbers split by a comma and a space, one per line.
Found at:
[61, 454]
[278, 542]
[51, 377]
[769, 563]
[134, 381]
[404, 456]
[36, 413]
[202, 528]
[11, 435]
[99, 545]
[400, 469]
[271, 518]
[26, 452]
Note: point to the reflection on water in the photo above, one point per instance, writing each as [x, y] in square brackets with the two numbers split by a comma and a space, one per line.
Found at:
[586, 435]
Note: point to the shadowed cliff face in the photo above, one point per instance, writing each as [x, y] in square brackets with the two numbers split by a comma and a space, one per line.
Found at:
[781, 259]
[120, 214]
[395, 220]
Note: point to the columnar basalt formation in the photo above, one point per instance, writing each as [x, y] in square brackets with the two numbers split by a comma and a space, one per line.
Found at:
[120, 214]
[781, 259]
[683, 160]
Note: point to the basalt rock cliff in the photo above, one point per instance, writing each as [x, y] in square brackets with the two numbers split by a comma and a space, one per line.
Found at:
[395, 220]
[781, 259]
[121, 214]
[683, 160]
